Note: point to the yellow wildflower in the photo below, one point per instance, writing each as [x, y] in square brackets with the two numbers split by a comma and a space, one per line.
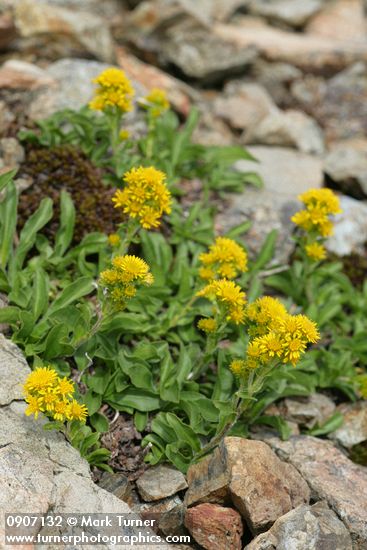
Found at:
[325, 198]
[124, 135]
[48, 393]
[238, 367]
[264, 314]
[41, 378]
[270, 345]
[65, 387]
[225, 259]
[34, 405]
[126, 274]
[156, 102]
[145, 196]
[114, 90]
[208, 325]
[76, 411]
[319, 205]
[315, 251]
[228, 296]
[114, 239]
[61, 410]
[130, 268]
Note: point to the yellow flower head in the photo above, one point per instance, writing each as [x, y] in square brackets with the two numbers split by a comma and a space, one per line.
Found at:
[145, 196]
[34, 405]
[228, 296]
[48, 393]
[61, 410]
[114, 239]
[238, 367]
[287, 340]
[40, 379]
[319, 205]
[225, 259]
[76, 411]
[323, 198]
[156, 102]
[315, 251]
[208, 325]
[114, 90]
[264, 314]
[124, 135]
[127, 272]
[65, 387]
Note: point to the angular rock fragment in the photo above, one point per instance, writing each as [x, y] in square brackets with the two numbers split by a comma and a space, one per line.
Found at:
[244, 472]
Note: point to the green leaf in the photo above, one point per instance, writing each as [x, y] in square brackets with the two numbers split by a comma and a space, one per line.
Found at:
[65, 232]
[92, 401]
[330, 425]
[276, 422]
[41, 288]
[10, 314]
[6, 178]
[99, 422]
[8, 222]
[58, 342]
[138, 399]
[140, 420]
[29, 232]
[73, 292]
[267, 251]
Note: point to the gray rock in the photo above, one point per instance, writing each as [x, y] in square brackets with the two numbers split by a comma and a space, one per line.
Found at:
[11, 153]
[11, 385]
[338, 104]
[308, 52]
[276, 78]
[169, 513]
[354, 428]
[159, 482]
[343, 20]
[6, 117]
[202, 55]
[289, 12]
[74, 87]
[347, 167]
[243, 105]
[286, 174]
[260, 486]
[39, 470]
[287, 128]
[350, 228]
[118, 484]
[305, 528]
[307, 411]
[39, 24]
[332, 477]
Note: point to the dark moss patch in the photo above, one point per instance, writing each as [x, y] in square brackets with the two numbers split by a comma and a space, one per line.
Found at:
[354, 266]
[66, 167]
[358, 453]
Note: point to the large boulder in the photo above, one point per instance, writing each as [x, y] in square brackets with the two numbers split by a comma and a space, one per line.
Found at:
[39, 470]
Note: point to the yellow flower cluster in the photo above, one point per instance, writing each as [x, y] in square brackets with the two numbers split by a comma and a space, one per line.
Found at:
[320, 204]
[156, 102]
[52, 395]
[114, 239]
[287, 340]
[208, 325]
[114, 90]
[229, 298]
[124, 276]
[225, 259]
[262, 315]
[145, 196]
